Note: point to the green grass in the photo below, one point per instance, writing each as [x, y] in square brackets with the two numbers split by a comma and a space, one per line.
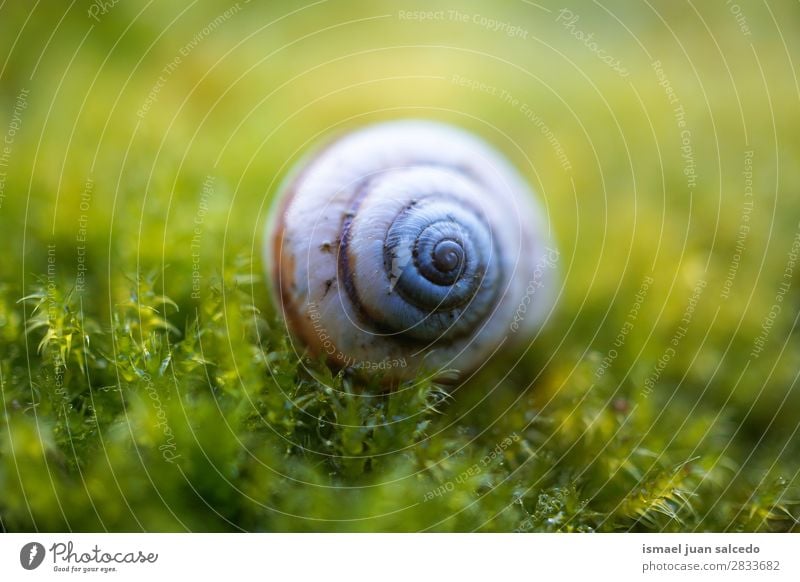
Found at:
[131, 401]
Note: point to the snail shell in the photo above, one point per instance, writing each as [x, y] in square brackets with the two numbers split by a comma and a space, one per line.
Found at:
[409, 246]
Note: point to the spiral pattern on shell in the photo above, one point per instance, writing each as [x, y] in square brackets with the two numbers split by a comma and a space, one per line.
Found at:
[409, 246]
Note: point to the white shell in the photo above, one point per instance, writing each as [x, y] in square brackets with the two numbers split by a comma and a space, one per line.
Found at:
[345, 286]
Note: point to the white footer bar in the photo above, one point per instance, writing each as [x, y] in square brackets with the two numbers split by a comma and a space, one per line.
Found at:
[402, 557]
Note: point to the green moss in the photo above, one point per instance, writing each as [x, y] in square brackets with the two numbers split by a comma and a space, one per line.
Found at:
[221, 426]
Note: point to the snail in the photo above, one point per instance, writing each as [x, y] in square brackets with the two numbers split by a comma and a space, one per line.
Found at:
[409, 247]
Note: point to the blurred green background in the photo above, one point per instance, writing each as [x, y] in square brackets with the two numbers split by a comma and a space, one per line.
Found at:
[678, 162]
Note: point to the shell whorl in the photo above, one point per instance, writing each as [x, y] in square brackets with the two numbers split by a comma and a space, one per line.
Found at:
[410, 242]
[434, 253]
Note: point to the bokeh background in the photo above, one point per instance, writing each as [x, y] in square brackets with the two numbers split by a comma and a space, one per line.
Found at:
[148, 385]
